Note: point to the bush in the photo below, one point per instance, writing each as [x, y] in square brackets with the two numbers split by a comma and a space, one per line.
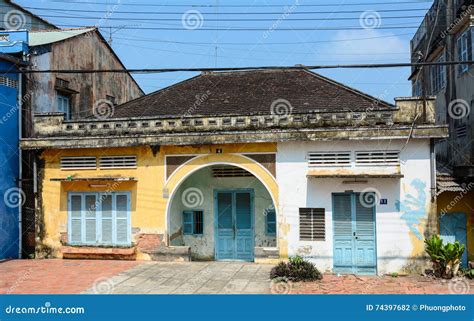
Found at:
[297, 269]
[446, 258]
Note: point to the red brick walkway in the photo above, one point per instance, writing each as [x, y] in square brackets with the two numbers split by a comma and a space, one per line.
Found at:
[56, 276]
[350, 284]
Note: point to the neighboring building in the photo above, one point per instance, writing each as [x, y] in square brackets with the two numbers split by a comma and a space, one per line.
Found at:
[15, 17]
[252, 165]
[75, 95]
[13, 51]
[447, 34]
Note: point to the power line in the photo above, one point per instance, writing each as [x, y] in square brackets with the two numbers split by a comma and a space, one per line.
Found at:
[297, 67]
[267, 43]
[220, 20]
[309, 52]
[222, 13]
[393, 27]
[245, 6]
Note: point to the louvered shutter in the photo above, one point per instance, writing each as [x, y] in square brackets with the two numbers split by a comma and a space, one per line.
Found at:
[187, 222]
[107, 219]
[312, 224]
[365, 232]
[90, 218]
[343, 237]
[75, 203]
[121, 218]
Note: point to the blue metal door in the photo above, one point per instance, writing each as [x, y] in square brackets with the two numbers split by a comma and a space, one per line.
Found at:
[452, 227]
[354, 233]
[234, 225]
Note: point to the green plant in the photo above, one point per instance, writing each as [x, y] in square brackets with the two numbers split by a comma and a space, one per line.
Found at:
[445, 257]
[452, 254]
[434, 248]
[297, 269]
[469, 273]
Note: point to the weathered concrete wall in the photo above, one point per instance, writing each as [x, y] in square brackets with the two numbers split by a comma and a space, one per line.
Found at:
[400, 225]
[85, 51]
[203, 246]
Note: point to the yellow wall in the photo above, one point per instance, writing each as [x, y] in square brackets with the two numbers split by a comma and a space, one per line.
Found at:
[456, 202]
[149, 191]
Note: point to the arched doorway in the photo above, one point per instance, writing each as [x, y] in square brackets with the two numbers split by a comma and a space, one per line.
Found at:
[222, 211]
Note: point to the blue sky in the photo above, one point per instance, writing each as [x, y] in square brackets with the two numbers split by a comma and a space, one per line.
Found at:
[185, 47]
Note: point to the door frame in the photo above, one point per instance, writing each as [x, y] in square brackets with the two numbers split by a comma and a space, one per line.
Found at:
[252, 219]
[353, 224]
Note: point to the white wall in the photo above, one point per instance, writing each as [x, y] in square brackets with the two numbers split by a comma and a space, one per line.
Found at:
[397, 231]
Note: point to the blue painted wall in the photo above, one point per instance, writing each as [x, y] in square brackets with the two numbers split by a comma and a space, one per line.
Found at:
[11, 197]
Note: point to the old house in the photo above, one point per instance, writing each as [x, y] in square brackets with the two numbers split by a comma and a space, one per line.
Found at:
[254, 165]
[447, 34]
[74, 95]
[13, 53]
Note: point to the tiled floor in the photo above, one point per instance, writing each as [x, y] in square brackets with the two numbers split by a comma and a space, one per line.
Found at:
[350, 284]
[56, 276]
[132, 277]
[190, 278]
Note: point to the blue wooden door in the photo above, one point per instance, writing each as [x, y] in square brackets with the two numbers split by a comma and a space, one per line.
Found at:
[234, 230]
[354, 233]
[452, 227]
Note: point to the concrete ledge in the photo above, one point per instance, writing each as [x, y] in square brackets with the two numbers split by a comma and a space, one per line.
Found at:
[267, 253]
[98, 253]
[171, 254]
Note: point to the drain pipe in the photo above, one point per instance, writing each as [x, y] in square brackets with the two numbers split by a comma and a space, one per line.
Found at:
[433, 169]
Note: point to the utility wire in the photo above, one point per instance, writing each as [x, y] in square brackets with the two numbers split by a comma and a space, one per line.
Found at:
[222, 13]
[245, 6]
[297, 67]
[227, 19]
[255, 29]
[266, 43]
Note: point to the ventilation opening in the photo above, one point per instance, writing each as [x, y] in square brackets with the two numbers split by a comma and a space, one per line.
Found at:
[118, 161]
[378, 158]
[78, 163]
[312, 224]
[5, 81]
[325, 159]
[225, 171]
[461, 131]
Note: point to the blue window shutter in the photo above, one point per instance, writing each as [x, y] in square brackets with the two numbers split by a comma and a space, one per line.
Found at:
[188, 222]
[122, 219]
[270, 222]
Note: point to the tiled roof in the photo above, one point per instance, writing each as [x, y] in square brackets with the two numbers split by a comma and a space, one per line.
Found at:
[248, 93]
[447, 183]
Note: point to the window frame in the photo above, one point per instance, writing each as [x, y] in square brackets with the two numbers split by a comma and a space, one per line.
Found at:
[98, 219]
[462, 50]
[438, 75]
[61, 96]
[268, 222]
[313, 224]
[192, 222]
